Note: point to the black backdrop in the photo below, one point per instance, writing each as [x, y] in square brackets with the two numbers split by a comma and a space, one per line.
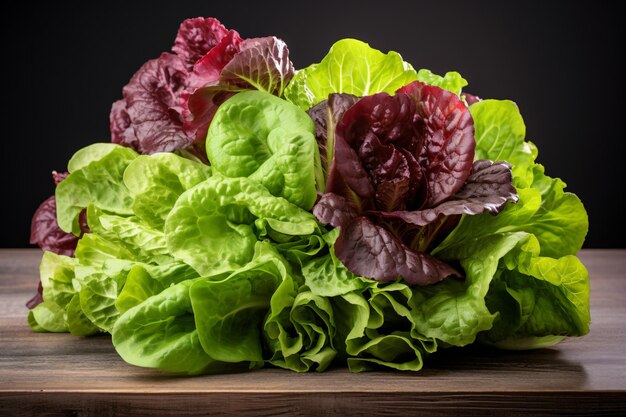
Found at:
[63, 65]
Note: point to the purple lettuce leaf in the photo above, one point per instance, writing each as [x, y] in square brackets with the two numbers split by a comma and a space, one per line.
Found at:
[335, 210]
[401, 176]
[471, 98]
[208, 69]
[487, 189]
[46, 233]
[446, 132]
[370, 250]
[148, 119]
[325, 117]
[262, 64]
[37, 298]
[196, 37]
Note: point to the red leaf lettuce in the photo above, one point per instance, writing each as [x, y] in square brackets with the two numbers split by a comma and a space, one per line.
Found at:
[170, 101]
[401, 174]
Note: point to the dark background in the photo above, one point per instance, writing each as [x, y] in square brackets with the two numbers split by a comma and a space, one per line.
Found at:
[64, 64]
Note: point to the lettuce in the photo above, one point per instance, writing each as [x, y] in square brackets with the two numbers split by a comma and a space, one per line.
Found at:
[351, 67]
[359, 213]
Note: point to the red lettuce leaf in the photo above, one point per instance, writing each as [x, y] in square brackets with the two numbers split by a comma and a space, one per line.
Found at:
[262, 64]
[370, 250]
[46, 233]
[335, 210]
[446, 135]
[149, 120]
[37, 298]
[325, 117]
[207, 71]
[470, 98]
[196, 37]
[401, 176]
[487, 189]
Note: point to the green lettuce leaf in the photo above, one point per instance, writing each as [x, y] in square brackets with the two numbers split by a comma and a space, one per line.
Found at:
[229, 312]
[161, 177]
[326, 276]
[141, 240]
[161, 333]
[352, 67]
[500, 132]
[143, 281]
[47, 317]
[271, 141]
[374, 329]
[552, 295]
[452, 81]
[212, 226]
[77, 322]
[96, 177]
[299, 329]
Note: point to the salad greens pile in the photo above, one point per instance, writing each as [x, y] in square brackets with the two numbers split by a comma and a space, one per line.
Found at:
[355, 212]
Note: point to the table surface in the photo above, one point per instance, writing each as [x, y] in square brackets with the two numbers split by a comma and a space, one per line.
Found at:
[59, 374]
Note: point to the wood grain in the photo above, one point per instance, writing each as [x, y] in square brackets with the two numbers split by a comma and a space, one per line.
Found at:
[62, 375]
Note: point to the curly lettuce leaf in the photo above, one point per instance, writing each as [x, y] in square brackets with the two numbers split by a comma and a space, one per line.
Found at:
[161, 333]
[212, 226]
[229, 312]
[96, 177]
[299, 329]
[500, 132]
[148, 119]
[162, 177]
[351, 67]
[375, 328]
[196, 37]
[257, 135]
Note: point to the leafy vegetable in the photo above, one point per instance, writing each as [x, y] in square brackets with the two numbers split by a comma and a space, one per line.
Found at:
[300, 329]
[96, 176]
[401, 165]
[46, 233]
[170, 101]
[262, 137]
[229, 312]
[162, 176]
[352, 67]
[212, 226]
[210, 260]
[452, 81]
[161, 333]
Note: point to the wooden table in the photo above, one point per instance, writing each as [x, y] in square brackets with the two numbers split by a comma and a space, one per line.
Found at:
[59, 374]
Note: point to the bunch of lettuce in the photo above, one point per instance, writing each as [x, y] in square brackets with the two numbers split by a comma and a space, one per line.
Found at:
[353, 212]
